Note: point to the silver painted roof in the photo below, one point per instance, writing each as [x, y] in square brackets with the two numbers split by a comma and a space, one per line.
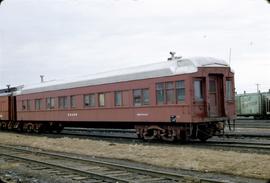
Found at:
[167, 68]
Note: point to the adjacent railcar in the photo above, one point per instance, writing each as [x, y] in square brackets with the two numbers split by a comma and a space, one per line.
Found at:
[256, 105]
[173, 100]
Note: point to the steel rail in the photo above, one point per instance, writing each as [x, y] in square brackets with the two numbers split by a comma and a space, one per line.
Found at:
[155, 173]
[265, 147]
[247, 135]
[55, 166]
[216, 143]
[239, 142]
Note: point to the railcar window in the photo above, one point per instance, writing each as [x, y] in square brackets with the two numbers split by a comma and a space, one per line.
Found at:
[145, 93]
[228, 89]
[170, 93]
[23, 105]
[63, 104]
[50, 103]
[86, 100]
[198, 92]
[72, 101]
[212, 86]
[141, 97]
[118, 98]
[38, 104]
[28, 105]
[180, 90]
[101, 99]
[137, 98]
[89, 100]
[160, 93]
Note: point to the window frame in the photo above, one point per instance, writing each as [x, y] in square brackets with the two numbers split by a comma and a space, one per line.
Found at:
[72, 102]
[100, 102]
[117, 104]
[91, 96]
[141, 93]
[178, 89]
[202, 95]
[50, 103]
[24, 105]
[28, 105]
[170, 89]
[230, 98]
[138, 104]
[143, 96]
[38, 103]
[162, 90]
[63, 105]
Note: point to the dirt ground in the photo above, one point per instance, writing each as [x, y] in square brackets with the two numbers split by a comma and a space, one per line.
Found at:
[207, 160]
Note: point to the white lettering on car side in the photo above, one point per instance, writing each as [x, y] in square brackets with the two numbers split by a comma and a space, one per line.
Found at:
[72, 114]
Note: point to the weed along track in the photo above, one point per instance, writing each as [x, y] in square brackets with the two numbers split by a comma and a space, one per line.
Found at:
[88, 170]
[81, 169]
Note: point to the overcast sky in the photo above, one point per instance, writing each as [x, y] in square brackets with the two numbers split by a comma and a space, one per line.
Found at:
[69, 38]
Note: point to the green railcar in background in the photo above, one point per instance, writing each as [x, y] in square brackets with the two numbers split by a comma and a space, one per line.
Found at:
[255, 105]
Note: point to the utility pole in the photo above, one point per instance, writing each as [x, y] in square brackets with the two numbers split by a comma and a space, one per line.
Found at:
[230, 55]
[257, 84]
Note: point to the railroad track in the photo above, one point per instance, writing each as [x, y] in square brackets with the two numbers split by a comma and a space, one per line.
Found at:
[247, 135]
[259, 147]
[242, 144]
[238, 143]
[252, 123]
[131, 134]
[121, 135]
[90, 170]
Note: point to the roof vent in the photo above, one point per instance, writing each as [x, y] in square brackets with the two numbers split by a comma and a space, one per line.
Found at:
[173, 57]
[42, 78]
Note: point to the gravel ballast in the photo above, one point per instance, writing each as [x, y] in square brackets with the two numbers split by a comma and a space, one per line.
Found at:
[179, 157]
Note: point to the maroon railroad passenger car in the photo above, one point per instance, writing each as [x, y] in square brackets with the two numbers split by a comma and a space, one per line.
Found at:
[181, 98]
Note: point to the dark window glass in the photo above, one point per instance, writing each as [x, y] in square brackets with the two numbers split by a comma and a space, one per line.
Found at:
[38, 104]
[169, 93]
[72, 101]
[89, 100]
[92, 100]
[198, 90]
[101, 99]
[63, 103]
[180, 91]
[50, 103]
[169, 85]
[145, 93]
[212, 86]
[137, 98]
[28, 105]
[118, 98]
[160, 93]
[23, 105]
[228, 89]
